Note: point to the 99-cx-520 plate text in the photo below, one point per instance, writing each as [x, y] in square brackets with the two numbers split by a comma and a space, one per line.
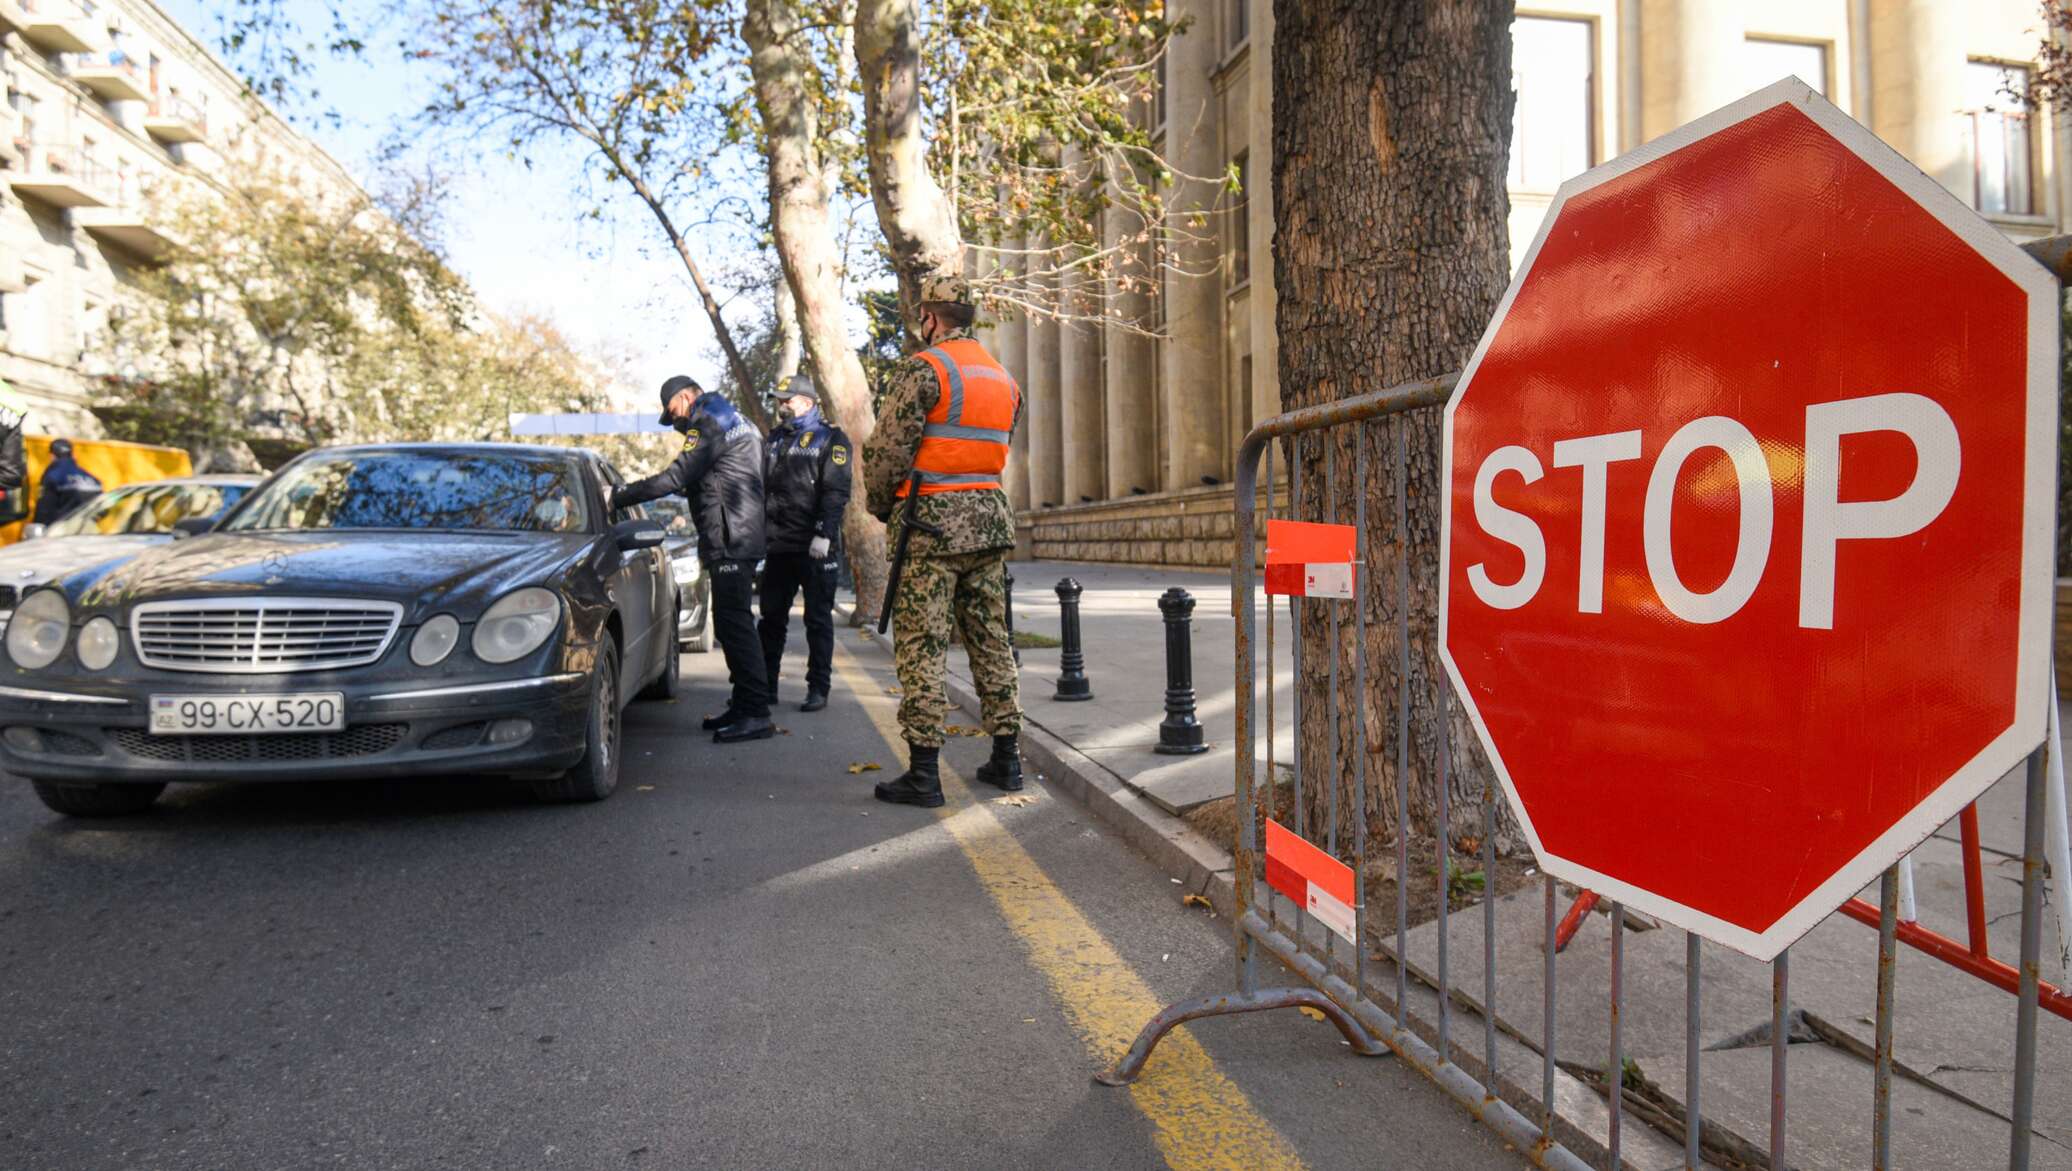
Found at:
[244, 715]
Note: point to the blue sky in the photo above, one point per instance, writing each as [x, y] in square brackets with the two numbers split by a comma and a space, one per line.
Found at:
[514, 232]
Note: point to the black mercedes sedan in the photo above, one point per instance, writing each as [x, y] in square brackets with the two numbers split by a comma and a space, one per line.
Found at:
[379, 611]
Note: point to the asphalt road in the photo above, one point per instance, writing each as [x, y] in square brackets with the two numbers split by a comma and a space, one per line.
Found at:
[739, 961]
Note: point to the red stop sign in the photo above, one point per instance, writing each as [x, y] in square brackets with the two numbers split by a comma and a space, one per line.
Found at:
[1749, 504]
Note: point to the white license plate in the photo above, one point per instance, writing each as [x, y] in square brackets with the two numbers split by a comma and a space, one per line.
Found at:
[244, 715]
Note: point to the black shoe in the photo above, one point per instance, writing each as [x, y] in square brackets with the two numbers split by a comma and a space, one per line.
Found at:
[920, 785]
[1004, 769]
[745, 728]
[815, 701]
[715, 723]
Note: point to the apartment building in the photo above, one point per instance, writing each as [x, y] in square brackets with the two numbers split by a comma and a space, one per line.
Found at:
[1125, 454]
[111, 107]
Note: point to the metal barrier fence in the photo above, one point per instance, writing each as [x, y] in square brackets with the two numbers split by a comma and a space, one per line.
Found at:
[1338, 983]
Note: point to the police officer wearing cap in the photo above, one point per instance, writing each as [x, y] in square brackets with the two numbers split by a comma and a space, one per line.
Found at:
[805, 487]
[720, 472]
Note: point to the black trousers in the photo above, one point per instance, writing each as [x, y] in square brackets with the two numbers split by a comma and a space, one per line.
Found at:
[733, 621]
[783, 575]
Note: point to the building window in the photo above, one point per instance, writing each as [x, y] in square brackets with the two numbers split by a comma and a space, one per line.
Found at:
[1553, 129]
[1241, 222]
[1765, 61]
[2003, 174]
[1240, 22]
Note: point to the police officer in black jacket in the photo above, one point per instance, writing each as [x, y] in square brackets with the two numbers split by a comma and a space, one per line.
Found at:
[806, 486]
[720, 471]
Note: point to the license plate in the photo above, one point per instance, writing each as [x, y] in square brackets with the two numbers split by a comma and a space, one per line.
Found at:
[244, 715]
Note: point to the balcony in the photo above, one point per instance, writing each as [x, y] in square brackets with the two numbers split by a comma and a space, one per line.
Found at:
[129, 228]
[112, 76]
[175, 120]
[55, 26]
[62, 176]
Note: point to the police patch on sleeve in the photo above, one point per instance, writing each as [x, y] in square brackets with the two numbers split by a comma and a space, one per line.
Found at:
[690, 440]
[841, 455]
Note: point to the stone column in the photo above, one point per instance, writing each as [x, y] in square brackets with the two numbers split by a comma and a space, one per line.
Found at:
[1690, 60]
[1917, 79]
[1081, 417]
[1012, 338]
[1045, 397]
[1193, 353]
[1129, 357]
[1266, 339]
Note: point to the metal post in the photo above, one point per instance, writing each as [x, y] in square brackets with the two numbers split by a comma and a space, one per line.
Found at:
[1489, 929]
[1615, 1062]
[2024, 1110]
[1332, 628]
[1547, 1024]
[1179, 734]
[1694, 1117]
[1445, 848]
[1780, 1043]
[1881, 1074]
[1360, 574]
[1073, 684]
[1402, 724]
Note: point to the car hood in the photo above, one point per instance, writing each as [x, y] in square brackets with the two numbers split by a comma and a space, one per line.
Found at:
[426, 572]
[31, 562]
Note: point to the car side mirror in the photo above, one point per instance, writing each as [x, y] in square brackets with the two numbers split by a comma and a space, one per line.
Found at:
[637, 534]
[33, 531]
[192, 526]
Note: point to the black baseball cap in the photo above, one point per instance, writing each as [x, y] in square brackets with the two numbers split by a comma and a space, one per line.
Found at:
[675, 386]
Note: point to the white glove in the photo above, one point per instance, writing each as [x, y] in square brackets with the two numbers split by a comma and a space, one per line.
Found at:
[818, 549]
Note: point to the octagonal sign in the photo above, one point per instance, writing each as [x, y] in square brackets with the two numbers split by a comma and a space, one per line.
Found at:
[1748, 504]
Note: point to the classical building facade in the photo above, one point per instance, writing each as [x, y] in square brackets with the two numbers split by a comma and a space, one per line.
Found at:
[110, 106]
[1126, 451]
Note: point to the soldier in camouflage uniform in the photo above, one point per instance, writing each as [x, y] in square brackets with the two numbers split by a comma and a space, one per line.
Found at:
[948, 413]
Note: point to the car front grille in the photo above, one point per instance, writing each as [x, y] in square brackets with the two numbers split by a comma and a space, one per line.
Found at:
[254, 636]
[361, 740]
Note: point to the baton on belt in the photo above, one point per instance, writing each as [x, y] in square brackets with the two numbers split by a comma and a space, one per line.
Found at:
[908, 522]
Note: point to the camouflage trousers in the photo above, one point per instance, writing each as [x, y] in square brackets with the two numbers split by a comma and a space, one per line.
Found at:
[967, 593]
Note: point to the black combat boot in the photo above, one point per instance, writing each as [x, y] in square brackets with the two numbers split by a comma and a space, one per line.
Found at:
[920, 785]
[1004, 770]
[715, 723]
[815, 701]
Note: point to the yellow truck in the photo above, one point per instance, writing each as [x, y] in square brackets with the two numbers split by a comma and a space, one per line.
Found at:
[113, 461]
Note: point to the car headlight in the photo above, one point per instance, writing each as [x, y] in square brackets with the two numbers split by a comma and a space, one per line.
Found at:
[36, 633]
[435, 640]
[517, 624]
[97, 642]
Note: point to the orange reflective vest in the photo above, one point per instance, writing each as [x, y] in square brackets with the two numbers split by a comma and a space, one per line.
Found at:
[964, 444]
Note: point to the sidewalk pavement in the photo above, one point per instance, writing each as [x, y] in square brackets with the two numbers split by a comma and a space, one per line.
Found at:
[1954, 1034]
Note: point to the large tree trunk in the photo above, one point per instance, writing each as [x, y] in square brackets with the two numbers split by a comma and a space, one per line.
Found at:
[919, 224]
[1391, 131]
[781, 58]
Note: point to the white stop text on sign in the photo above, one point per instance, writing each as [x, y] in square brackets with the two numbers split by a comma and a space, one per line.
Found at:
[1828, 520]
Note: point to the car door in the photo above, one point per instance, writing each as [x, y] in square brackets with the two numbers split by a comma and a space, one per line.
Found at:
[645, 597]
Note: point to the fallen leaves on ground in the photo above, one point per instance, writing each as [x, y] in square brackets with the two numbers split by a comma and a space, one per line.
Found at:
[1197, 901]
[864, 766]
[1017, 800]
[1315, 1014]
[643, 788]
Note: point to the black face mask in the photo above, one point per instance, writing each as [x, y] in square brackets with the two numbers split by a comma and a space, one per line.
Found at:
[683, 426]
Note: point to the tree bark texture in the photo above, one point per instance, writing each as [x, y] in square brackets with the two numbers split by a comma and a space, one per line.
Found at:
[780, 58]
[919, 225]
[1391, 132]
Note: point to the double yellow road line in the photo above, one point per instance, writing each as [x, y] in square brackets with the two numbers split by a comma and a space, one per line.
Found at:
[1201, 1120]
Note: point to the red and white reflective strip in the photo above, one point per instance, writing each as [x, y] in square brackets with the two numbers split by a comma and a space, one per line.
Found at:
[1308, 560]
[1321, 884]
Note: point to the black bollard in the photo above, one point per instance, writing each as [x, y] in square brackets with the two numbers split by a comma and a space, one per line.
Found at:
[1073, 685]
[1010, 622]
[1179, 734]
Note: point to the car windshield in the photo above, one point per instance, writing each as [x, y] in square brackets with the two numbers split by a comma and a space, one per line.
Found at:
[147, 508]
[471, 491]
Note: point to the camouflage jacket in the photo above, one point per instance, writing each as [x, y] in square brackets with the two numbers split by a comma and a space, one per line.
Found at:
[970, 521]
